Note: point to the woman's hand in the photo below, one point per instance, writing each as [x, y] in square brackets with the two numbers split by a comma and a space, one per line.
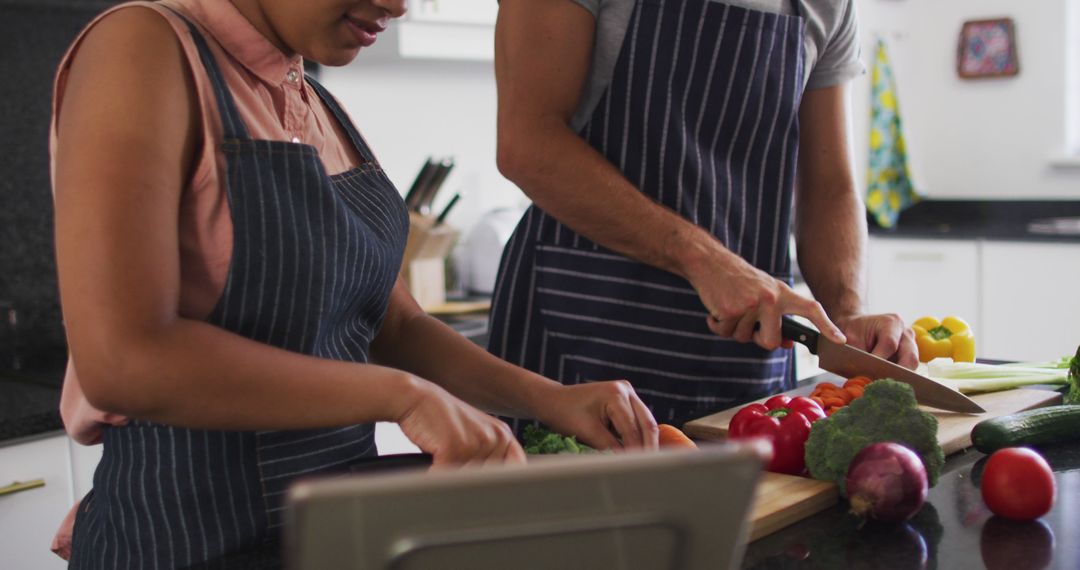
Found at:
[739, 296]
[454, 432]
[604, 415]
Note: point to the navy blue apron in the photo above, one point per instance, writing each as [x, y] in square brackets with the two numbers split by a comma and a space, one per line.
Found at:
[313, 263]
[702, 116]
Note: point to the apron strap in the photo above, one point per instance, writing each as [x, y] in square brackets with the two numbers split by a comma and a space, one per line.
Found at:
[342, 118]
[231, 121]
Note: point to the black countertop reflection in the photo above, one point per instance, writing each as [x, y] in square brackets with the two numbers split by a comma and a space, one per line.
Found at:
[1008, 220]
[954, 529]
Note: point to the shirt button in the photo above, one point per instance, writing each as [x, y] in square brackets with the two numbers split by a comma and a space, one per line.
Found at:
[292, 76]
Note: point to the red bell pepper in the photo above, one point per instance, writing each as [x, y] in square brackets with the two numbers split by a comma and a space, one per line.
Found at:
[785, 423]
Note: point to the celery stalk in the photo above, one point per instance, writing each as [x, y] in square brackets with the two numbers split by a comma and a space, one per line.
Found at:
[970, 377]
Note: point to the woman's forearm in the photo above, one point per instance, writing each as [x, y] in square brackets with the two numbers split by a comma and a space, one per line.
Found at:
[430, 349]
[195, 375]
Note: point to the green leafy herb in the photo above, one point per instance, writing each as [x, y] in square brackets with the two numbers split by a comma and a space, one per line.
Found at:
[539, 441]
[1073, 396]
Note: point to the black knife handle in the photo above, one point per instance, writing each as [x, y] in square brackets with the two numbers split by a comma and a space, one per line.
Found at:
[795, 331]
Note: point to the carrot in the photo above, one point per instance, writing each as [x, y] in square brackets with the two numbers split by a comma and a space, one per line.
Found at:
[857, 381]
[820, 401]
[671, 436]
[825, 388]
[855, 391]
[834, 402]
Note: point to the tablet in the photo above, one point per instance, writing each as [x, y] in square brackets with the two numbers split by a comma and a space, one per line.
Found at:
[684, 510]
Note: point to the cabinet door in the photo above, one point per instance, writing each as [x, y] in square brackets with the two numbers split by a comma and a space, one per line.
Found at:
[915, 278]
[29, 519]
[84, 460]
[1031, 304]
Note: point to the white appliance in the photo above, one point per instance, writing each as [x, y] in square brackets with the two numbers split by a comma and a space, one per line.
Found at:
[483, 248]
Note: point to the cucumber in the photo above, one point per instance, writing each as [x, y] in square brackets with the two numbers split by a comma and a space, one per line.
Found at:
[1041, 426]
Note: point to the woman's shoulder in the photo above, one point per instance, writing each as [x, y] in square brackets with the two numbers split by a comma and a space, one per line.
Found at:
[136, 44]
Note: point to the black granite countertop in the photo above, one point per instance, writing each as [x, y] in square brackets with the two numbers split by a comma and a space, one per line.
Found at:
[954, 529]
[1006, 220]
[30, 398]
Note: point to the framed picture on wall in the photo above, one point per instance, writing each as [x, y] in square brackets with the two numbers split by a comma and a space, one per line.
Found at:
[987, 49]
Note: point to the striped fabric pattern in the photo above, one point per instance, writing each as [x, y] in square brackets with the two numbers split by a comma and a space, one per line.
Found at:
[314, 260]
[702, 116]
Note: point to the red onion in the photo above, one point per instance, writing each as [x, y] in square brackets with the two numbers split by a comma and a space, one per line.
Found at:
[886, 482]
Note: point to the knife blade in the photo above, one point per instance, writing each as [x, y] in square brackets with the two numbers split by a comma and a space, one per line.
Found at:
[848, 361]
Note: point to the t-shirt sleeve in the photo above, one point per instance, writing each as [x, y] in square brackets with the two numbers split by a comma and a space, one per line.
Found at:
[839, 60]
[593, 6]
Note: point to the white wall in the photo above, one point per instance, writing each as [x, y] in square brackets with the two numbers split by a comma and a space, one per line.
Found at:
[408, 110]
[967, 138]
[990, 138]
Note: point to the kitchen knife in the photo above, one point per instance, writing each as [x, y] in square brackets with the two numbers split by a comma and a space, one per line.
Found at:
[442, 170]
[423, 178]
[848, 361]
[446, 210]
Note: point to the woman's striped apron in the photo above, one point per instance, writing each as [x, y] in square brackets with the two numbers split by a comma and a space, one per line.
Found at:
[702, 116]
[313, 263]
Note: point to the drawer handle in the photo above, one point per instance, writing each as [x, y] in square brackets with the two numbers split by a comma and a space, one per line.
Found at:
[18, 487]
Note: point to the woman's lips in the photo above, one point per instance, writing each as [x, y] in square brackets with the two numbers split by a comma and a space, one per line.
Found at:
[365, 32]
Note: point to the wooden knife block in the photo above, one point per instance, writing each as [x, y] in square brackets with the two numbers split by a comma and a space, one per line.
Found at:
[423, 268]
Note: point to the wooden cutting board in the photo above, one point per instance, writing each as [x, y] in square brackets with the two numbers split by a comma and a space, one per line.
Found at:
[782, 500]
[954, 429]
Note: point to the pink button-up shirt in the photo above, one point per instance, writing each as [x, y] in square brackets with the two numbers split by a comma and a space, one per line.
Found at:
[276, 104]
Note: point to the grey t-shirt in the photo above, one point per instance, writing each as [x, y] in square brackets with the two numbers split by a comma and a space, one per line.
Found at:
[832, 45]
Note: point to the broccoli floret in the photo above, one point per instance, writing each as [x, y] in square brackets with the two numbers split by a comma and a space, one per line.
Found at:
[1073, 395]
[539, 441]
[886, 412]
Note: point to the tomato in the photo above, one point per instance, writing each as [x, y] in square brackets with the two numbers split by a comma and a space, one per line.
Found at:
[1018, 484]
[777, 402]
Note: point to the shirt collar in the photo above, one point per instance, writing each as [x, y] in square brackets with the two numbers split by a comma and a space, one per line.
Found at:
[239, 38]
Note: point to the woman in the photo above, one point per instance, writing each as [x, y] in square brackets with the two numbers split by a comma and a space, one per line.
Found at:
[669, 147]
[228, 250]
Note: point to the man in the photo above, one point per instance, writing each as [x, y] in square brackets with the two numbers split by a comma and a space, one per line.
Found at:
[659, 141]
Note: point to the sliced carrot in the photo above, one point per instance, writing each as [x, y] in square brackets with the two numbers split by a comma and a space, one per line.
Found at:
[671, 436]
[819, 400]
[855, 391]
[833, 402]
[826, 387]
[857, 381]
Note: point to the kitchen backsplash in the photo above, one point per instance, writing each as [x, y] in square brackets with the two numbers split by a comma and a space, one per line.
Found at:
[33, 38]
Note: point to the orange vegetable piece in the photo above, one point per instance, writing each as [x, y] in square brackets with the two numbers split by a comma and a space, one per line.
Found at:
[857, 381]
[819, 401]
[855, 391]
[671, 436]
[834, 402]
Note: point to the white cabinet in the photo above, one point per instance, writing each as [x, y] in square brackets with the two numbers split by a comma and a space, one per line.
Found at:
[29, 518]
[1031, 300]
[448, 30]
[915, 278]
[1020, 297]
[84, 460]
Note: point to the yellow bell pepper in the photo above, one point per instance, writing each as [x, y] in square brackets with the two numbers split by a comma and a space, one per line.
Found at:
[950, 337]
